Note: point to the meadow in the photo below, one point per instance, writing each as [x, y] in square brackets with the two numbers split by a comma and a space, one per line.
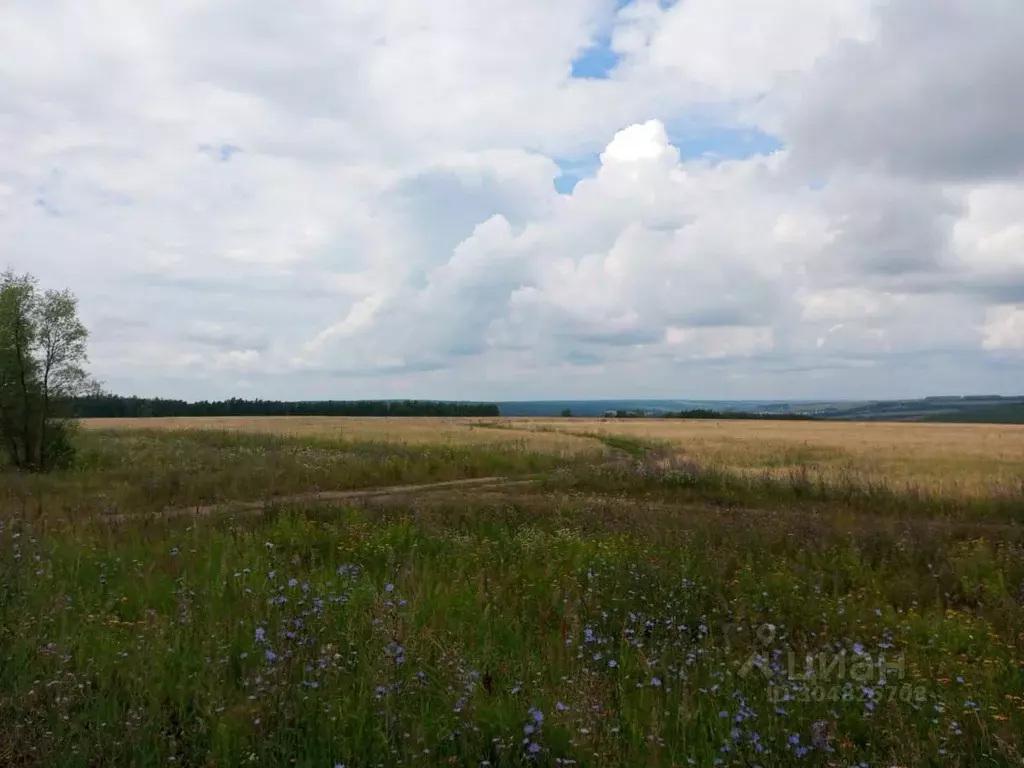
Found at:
[599, 593]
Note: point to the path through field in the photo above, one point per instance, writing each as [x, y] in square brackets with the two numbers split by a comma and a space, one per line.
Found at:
[380, 493]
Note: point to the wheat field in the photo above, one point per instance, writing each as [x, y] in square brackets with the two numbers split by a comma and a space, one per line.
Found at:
[967, 459]
[973, 459]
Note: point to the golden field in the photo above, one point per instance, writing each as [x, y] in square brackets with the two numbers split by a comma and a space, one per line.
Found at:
[973, 459]
[946, 458]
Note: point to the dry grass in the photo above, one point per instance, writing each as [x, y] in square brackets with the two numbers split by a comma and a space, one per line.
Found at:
[409, 431]
[971, 459]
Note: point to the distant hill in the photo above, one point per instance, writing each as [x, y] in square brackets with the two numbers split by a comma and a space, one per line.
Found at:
[595, 408]
[980, 409]
[1011, 413]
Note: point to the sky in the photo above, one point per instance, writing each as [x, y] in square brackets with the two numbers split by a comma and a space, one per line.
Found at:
[521, 199]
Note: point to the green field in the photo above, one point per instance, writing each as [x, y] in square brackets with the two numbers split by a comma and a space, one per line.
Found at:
[613, 609]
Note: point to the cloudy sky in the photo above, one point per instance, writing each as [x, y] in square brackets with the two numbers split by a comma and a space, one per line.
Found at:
[513, 199]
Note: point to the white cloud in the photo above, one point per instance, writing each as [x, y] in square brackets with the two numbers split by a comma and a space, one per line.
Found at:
[356, 199]
[1004, 328]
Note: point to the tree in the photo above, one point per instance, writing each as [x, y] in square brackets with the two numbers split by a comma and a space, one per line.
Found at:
[567, 413]
[42, 358]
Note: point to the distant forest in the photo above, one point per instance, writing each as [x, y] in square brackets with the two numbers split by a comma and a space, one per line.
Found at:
[117, 406]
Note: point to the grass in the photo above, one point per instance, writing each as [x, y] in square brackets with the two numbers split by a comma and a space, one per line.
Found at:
[452, 432]
[637, 611]
[151, 470]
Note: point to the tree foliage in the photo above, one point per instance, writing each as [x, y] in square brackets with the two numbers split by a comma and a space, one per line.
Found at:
[42, 359]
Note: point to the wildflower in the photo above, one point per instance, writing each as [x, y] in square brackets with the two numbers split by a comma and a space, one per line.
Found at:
[613, 663]
[656, 682]
[174, 551]
[271, 656]
[389, 587]
[858, 649]
[537, 715]
[559, 706]
[534, 748]
[272, 575]
[293, 582]
[261, 634]
[819, 731]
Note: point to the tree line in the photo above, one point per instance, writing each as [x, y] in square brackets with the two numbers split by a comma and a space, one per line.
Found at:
[117, 406]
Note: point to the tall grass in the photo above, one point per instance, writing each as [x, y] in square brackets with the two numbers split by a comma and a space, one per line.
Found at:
[148, 471]
[597, 622]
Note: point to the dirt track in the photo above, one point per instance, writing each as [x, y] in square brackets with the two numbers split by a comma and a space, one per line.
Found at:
[380, 493]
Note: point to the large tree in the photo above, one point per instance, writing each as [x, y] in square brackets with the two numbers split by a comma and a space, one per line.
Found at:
[42, 359]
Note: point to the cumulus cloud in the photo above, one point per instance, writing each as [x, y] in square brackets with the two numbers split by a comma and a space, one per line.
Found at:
[358, 199]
